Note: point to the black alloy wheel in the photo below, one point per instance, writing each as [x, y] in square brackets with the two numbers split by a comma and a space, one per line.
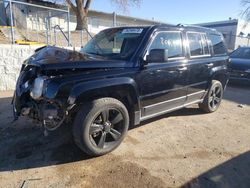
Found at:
[213, 97]
[100, 126]
[107, 128]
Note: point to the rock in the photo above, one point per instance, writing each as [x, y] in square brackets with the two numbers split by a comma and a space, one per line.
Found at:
[241, 105]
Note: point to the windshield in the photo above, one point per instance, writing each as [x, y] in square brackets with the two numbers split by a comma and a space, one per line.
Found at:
[243, 53]
[115, 43]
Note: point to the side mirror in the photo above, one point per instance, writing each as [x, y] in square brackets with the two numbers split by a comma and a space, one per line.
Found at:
[157, 56]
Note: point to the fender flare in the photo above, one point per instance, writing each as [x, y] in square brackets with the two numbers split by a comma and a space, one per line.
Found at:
[82, 90]
[220, 72]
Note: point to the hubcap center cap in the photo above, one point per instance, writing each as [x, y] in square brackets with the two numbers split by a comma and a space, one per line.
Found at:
[107, 126]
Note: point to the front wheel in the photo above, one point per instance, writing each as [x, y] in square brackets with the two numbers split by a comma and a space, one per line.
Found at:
[100, 126]
[213, 98]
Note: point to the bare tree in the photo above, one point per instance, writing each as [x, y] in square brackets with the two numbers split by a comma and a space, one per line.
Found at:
[246, 10]
[81, 8]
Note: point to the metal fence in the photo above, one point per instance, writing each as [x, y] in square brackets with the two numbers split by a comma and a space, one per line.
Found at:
[27, 23]
[242, 41]
[32, 22]
[35, 24]
[52, 24]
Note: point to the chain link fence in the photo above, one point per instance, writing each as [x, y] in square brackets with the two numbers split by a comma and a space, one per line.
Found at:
[27, 23]
[50, 24]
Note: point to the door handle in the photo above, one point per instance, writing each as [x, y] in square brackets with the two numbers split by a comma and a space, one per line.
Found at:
[209, 65]
[182, 69]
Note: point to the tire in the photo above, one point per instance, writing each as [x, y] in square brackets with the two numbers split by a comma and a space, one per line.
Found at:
[100, 126]
[213, 97]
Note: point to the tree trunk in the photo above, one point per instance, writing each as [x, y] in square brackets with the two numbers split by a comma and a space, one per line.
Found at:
[81, 19]
[81, 11]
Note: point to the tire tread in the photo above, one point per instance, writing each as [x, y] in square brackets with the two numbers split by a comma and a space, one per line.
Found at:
[82, 114]
[204, 105]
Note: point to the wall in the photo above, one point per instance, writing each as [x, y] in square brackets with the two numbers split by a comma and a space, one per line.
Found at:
[11, 58]
[34, 18]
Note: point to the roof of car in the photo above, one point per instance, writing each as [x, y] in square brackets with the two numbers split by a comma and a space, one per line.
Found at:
[169, 26]
[185, 27]
[189, 28]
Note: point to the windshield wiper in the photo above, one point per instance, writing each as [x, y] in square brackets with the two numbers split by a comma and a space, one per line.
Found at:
[94, 53]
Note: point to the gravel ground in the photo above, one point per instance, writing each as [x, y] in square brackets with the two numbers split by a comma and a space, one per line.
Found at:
[186, 148]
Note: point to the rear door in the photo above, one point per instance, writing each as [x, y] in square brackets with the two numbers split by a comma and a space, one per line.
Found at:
[200, 64]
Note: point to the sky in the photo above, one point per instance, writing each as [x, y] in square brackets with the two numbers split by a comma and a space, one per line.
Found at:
[177, 11]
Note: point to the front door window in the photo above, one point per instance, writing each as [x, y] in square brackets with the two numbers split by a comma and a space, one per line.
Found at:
[172, 41]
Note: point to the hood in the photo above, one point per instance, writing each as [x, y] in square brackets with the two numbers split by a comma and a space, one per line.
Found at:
[240, 64]
[50, 58]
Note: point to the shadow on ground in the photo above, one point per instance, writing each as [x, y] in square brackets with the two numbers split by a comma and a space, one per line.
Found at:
[238, 93]
[233, 173]
[23, 144]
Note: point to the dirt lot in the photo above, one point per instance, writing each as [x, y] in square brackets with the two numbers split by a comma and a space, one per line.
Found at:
[185, 148]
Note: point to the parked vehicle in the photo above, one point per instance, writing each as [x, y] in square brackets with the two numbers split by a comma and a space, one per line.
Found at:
[240, 65]
[122, 76]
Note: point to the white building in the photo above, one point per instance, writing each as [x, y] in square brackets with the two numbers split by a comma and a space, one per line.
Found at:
[29, 17]
[38, 18]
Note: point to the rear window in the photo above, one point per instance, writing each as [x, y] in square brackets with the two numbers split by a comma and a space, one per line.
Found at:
[198, 44]
[218, 44]
[205, 44]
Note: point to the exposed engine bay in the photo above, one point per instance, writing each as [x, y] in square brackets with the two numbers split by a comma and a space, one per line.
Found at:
[32, 81]
[29, 102]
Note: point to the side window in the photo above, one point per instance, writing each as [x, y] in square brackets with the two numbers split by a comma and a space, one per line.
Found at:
[218, 44]
[172, 41]
[198, 44]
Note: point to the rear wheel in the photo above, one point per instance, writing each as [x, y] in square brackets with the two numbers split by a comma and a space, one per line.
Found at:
[213, 98]
[100, 126]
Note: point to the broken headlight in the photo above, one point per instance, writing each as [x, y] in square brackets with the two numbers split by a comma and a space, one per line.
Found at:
[37, 88]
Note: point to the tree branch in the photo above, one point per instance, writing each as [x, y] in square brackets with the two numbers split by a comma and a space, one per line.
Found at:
[125, 4]
[87, 5]
[71, 5]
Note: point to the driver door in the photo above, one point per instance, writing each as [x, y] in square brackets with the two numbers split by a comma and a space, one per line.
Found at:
[163, 84]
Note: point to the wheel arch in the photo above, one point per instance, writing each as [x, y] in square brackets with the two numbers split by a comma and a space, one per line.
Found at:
[223, 78]
[122, 89]
[221, 74]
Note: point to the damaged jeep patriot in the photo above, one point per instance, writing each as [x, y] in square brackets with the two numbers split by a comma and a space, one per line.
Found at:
[122, 76]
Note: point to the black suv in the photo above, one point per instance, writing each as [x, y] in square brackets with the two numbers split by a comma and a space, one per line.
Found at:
[121, 77]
